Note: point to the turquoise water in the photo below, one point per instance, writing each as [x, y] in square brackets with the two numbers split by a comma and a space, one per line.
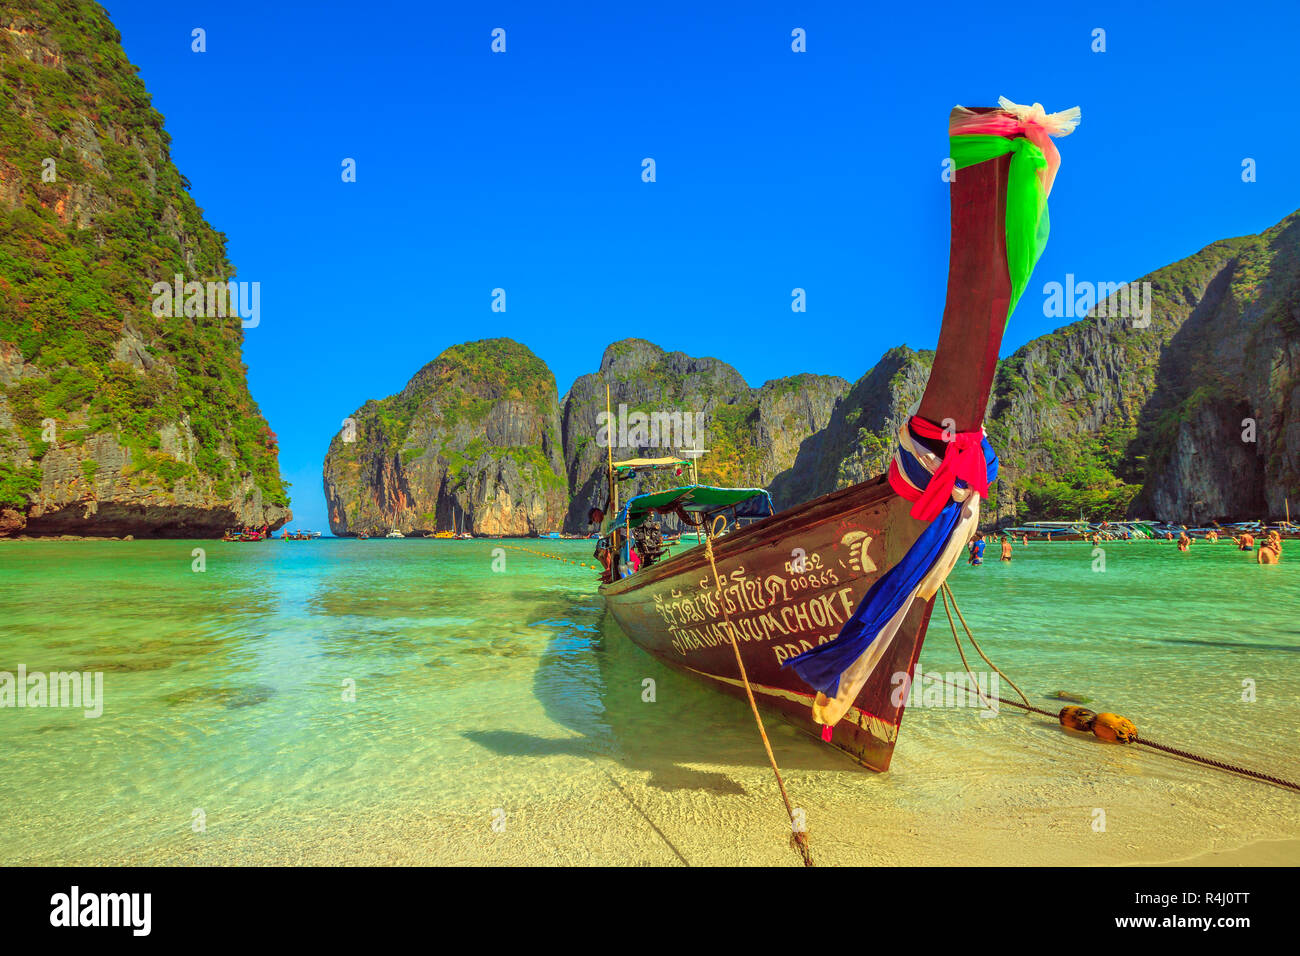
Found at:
[499, 715]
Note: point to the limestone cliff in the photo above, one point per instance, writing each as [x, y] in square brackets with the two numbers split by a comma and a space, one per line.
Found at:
[1192, 417]
[477, 439]
[471, 443]
[1108, 417]
[859, 439]
[114, 419]
[751, 434]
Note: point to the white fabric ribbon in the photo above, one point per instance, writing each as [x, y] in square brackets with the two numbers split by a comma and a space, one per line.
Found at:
[1056, 124]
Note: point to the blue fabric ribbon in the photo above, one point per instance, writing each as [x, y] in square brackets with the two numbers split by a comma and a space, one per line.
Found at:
[822, 666]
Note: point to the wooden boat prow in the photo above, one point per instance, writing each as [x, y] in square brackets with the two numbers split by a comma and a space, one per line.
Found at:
[845, 540]
[793, 579]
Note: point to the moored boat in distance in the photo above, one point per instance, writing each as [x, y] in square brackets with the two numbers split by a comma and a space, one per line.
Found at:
[246, 534]
[796, 592]
[1052, 530]
[459, 528]
[394, 534]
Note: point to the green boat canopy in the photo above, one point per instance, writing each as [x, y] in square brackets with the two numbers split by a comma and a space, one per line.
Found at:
[697, 499]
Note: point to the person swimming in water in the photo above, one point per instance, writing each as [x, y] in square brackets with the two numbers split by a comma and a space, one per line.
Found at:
[1270, 552]
[605, 552]
[1006, 549]
[1184, 541]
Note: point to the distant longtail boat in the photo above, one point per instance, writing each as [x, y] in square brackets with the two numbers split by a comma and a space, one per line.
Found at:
[828, 601]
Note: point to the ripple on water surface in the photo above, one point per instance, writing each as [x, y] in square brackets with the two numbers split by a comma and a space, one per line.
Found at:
[343, 701]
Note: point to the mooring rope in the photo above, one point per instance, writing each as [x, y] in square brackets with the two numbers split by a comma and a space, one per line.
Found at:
[798, 836]
[553, 557]
[946, 593]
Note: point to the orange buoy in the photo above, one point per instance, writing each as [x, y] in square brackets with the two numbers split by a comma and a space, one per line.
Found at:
[1115, 728]
[1077, 718]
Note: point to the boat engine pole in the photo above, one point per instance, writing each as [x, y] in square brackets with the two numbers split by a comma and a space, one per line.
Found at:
[611, 500]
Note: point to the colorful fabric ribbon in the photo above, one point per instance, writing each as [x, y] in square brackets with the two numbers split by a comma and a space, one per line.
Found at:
[838, 670]
[1025, 132]
[1027, 222]
[963, 462]
[945, 491]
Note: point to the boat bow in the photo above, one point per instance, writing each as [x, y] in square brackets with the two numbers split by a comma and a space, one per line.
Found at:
[828, 601]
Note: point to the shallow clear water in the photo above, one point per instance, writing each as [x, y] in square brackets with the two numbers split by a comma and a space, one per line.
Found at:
[499, 715]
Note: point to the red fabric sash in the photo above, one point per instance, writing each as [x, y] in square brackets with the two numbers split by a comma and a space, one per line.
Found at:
[963, 459]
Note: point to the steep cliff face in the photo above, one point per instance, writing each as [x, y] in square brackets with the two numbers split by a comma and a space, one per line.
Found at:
[1106, 417]
[1224, 422]
[471, 443]
[1068, 407]
[114, 419]
[1192, 417]
[477, 439]
[859, 439]
[683, 402]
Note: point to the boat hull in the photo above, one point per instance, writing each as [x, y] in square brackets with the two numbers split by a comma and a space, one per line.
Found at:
[845, 541]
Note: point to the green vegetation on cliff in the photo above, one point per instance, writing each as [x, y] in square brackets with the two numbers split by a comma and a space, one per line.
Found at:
[92, 214]
[1189, 417]
[471, 440]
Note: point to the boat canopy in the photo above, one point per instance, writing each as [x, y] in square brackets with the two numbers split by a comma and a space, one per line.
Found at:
[696, 499]
[630, 467]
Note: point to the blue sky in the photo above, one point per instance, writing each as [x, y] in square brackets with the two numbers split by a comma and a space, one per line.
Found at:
[775, 170]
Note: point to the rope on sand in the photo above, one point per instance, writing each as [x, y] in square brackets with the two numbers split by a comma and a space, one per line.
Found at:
[947, 595]
[799, 836]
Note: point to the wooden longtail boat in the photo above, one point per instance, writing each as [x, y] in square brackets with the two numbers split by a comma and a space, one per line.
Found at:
[843, 541]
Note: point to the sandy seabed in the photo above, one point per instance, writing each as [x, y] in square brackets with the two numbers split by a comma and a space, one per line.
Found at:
[1119, 807]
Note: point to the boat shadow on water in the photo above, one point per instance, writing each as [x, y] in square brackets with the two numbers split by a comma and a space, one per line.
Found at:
[635, 712]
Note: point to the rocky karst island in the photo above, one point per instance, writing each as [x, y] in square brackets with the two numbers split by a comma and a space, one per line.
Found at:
[1192, 417]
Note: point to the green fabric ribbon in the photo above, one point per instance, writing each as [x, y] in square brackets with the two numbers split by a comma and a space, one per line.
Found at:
[1027, 221]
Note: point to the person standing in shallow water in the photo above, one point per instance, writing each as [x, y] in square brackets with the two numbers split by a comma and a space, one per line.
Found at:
[1270, 552]
[977, 551]
[1006, 549]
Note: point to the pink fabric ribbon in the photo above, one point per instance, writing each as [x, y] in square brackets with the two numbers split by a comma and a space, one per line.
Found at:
[1035, 127]
[963, 460]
